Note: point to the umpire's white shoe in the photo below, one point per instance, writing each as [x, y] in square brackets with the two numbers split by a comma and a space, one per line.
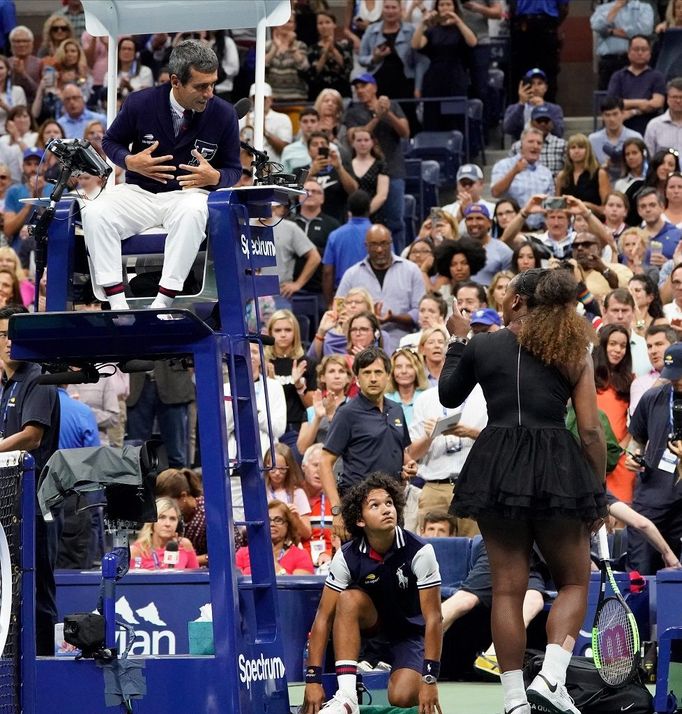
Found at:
[550, 696]
[340, 704]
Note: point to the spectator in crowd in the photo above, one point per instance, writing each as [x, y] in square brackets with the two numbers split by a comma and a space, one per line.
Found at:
[599, 277]
[607, 143]
[363, 331]
[274, 407]
[288, 558]
[10, 260]
[74, 13]
[358, 16]
[387, 122]
[485, 320]
[658, 494]
[228, 63]
[633, 247]
[320, 545]
[26, 67]
[329, 106]
[56, 29]
[163, 394]
[432, 313]
[438, 524]
[658, 339]
[673, 309]
[328, 170]
[368, 169]
[663, 163]
[616, 209]
[673, 199]
[132, 73]
[432, 346]
[102, 398]
[469, 189]
[368, 431]
[32, 425]
[76, 115]
[532, 90]
[505, 211]
[665, 131]
[520, 177]
[641, 87]
[332, 332]
[394, 283]
[286, 64]
[155, 53]
[458, 261]
[535, 42]
[408, 378]
[443, 37]
[615, 23]
[185, 488]
[330, 61]
[672, 19]
[470, 297]
[334, 378]
[582, 176]
[498, 255]
[291, 370]
[9, 288]
[19, 137]
[619, 309]
[277, 128]
[11, 95]
[438, 226]
[48, 130]
[296, 154]
[71, 65]
[147, 552]
[613, 379]
[650, 208]
[317, 226]
[77, 426]
[635, 167]
[283, 481]
[498, 288]
[17, 214]
[553, 153]
[410, 603]
[525, 257]
[648, 306]
[294, 250]
[346, 244]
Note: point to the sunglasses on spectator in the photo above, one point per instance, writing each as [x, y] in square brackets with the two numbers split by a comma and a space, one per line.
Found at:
[584, 244]
[59, 28]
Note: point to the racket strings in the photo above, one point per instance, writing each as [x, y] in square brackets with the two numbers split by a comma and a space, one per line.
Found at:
[617, 642]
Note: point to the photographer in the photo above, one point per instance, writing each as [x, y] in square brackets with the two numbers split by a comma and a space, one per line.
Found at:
[656, 430]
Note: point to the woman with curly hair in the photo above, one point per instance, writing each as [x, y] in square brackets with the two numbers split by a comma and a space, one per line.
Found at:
[527, 479]
[458, 260]
[582, 176]
[147, 552]
[613, 378]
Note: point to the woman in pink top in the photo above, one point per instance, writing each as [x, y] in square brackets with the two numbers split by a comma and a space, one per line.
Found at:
[148, 551]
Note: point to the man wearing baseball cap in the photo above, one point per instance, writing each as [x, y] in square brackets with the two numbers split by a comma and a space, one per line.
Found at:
[485, 320]
[532, 90]
[658, 493]
[498, 254]
[17, 214]
[278, 131]
[553, 153]
[469, 190]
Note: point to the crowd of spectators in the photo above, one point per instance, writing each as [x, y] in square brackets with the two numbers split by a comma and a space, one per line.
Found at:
[360, 393]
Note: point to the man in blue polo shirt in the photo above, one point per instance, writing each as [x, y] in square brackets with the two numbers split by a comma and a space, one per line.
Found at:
[650, 209]
[369, 432]
[384, 580]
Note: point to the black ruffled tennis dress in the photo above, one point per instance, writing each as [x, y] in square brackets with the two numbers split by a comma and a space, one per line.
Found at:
[525, 464]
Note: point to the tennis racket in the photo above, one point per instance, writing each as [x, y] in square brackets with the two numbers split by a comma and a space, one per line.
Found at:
[615, 637]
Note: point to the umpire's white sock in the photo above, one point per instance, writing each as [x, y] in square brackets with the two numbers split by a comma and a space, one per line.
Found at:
[162, 301]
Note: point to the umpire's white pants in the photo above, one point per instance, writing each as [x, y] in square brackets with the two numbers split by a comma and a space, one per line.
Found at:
[125, 210]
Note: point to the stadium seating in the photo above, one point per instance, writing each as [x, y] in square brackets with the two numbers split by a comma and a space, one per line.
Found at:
[445, 147]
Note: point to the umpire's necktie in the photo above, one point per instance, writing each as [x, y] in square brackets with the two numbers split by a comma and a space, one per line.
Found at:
[186, 120]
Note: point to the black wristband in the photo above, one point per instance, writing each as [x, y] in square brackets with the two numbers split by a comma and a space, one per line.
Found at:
[431, 667]
[313, 675]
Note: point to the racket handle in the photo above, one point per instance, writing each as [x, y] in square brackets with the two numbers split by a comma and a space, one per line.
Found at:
[603, 541]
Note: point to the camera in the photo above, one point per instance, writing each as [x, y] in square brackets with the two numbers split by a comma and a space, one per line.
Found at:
[79, 156]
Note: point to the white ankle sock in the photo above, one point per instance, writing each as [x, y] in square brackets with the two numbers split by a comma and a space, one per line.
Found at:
[556, 662]
[118, 301]
[347, 682]
[161, 301]
[513, 688]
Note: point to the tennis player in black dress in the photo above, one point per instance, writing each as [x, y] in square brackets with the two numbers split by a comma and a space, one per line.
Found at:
[527, 479]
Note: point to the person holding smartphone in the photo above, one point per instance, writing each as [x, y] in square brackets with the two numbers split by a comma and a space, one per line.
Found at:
[532, 90]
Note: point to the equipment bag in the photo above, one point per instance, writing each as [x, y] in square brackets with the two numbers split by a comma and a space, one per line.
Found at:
[590, 694]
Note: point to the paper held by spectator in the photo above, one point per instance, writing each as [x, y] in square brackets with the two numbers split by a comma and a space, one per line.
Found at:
[445, 424]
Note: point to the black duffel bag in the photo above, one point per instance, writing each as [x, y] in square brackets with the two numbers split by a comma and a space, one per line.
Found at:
[590, 694]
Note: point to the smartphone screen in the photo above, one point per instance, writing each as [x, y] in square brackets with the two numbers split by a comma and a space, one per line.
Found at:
[323, 151]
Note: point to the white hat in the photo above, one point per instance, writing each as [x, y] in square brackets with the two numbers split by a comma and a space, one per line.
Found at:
[267, 90]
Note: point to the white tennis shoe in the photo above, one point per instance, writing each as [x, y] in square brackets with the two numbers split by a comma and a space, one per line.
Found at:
[551, 695]
[340, 704]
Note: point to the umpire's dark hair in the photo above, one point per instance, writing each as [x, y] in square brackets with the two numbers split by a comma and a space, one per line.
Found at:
[189, 55]
[358, 203]
[9, 310]
[351, 504]
[610, 103]
[367, 356]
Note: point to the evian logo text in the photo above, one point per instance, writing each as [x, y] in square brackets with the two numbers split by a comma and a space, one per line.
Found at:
[257, 670]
